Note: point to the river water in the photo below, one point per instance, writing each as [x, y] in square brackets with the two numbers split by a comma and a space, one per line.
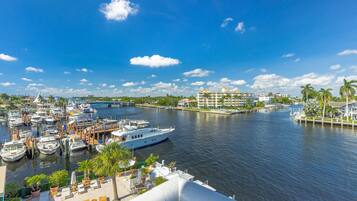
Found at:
[256, 156]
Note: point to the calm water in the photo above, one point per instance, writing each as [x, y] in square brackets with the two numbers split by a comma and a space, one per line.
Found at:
[259, 156]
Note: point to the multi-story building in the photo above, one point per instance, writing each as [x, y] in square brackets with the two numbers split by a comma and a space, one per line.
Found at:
[225, 98]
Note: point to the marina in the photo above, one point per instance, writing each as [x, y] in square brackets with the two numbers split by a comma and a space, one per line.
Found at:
[199, 144]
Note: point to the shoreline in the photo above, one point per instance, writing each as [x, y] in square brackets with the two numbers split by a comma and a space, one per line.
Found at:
[214, 111]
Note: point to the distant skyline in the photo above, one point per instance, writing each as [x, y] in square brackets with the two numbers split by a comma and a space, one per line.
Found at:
[137, 47]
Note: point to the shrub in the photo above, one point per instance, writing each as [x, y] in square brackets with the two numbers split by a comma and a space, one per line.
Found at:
[35, 181]
[58, 178]
[151, 159]
[11, 190]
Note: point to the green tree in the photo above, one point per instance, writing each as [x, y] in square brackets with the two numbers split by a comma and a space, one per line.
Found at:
[307, 92]
[85, 166]
[107, 162]
[151, 159]
[348, 90]
[51, 99]
[324, 97]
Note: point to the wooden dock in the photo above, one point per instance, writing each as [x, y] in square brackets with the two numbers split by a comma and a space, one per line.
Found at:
[328, 122]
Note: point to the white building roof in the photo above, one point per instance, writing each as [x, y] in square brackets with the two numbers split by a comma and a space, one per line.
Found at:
[180, 189]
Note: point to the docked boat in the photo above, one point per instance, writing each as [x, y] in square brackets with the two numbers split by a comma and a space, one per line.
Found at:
[23, 134]
[86, 108]
[48, 145]
[36, 119]
[15, 118]
[13, 151]
[50, 120]
[56, 111]
[133, 137]
[76, 144]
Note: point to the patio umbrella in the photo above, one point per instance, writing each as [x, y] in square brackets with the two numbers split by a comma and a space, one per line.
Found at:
[73, 178]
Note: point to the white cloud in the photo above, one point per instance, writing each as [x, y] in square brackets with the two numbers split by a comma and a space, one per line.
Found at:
[339, 80]
[163, 85]
[82, 81]
[276, 82]
[83, 70]
[198, 72]
[26, 79]
[35, 85]
[225, 80]
[6, 57]
[347, 52]
[353, 68]
[288, 55]
[226, 22]
[104, 85]
[154, 61]
[176, 80]
[240, 27]
[238, 82]
[1, 73]
[66, 72]
[34, 69]
[335, 67]
[131, 84]
[199, 83]
[263, 70]
[118, 10]
[112, 86]
[153, 76]
[297, 60]
[7, 84]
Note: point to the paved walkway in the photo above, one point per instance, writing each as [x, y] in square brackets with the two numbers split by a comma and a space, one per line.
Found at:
[105, 190]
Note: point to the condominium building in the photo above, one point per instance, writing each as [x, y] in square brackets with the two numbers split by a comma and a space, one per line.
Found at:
[225, 98]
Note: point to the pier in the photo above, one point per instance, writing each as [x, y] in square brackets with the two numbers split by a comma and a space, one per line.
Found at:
[332, 122]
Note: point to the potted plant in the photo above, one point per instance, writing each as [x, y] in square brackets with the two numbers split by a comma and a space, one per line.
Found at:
[85, 166]
[150, 161]
[35, 182]
[57, 179]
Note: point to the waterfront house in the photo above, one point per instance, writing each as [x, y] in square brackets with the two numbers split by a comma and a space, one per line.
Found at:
[186, 102]
[225, 98]
[352, 109]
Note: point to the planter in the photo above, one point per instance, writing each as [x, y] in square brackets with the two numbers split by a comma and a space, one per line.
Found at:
[101, 180]
[53, 191]
[35, 193]
[86, 182]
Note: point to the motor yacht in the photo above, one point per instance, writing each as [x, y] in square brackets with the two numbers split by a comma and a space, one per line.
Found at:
[15, 118]
[36, 119]
[134, 137]
[23, 134]
[50, 120]
[13, 151]
[48, 145]
[76, 144]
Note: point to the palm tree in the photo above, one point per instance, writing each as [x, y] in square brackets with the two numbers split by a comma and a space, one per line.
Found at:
[324, 97]
[85, 166]
[347, 90]
[206, 95]
[307, 92]
[107, 163]
[51, 99]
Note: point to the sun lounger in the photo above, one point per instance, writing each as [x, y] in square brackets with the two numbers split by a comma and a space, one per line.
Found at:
[94, 184]
[67, 193]
[81, 188]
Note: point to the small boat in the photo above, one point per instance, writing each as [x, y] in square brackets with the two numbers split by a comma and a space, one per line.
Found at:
[13, 151]
[48, 145]
[76, 144]
[50, 120]
[25, 133]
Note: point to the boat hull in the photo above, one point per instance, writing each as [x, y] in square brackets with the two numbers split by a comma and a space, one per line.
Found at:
[48, 151]
[78, 148]
[13, 157]
[140, 143]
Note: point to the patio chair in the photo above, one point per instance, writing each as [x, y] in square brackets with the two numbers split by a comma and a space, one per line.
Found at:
[81, 189]
[94, 184]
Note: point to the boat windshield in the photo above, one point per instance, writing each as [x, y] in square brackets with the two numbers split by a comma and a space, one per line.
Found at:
[12, 147]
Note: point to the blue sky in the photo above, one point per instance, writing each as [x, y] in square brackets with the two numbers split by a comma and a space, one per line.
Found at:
[137, 47]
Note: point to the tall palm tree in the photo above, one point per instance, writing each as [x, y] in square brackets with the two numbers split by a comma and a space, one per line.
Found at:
[348, 90]
[307, 91]
[324, 97]
[107, 163]
[51, 99]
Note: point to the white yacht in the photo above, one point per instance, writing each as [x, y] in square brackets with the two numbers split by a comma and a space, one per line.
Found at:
[36, 119]
[133, 137]
[48, 145]
[50, 120]
[13, 151]
[86, 108]
[76, 144]
[23, 134]
[56, 111]
[15, 119]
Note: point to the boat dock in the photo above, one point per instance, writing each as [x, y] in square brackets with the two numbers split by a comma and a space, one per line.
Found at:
[327, 122]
